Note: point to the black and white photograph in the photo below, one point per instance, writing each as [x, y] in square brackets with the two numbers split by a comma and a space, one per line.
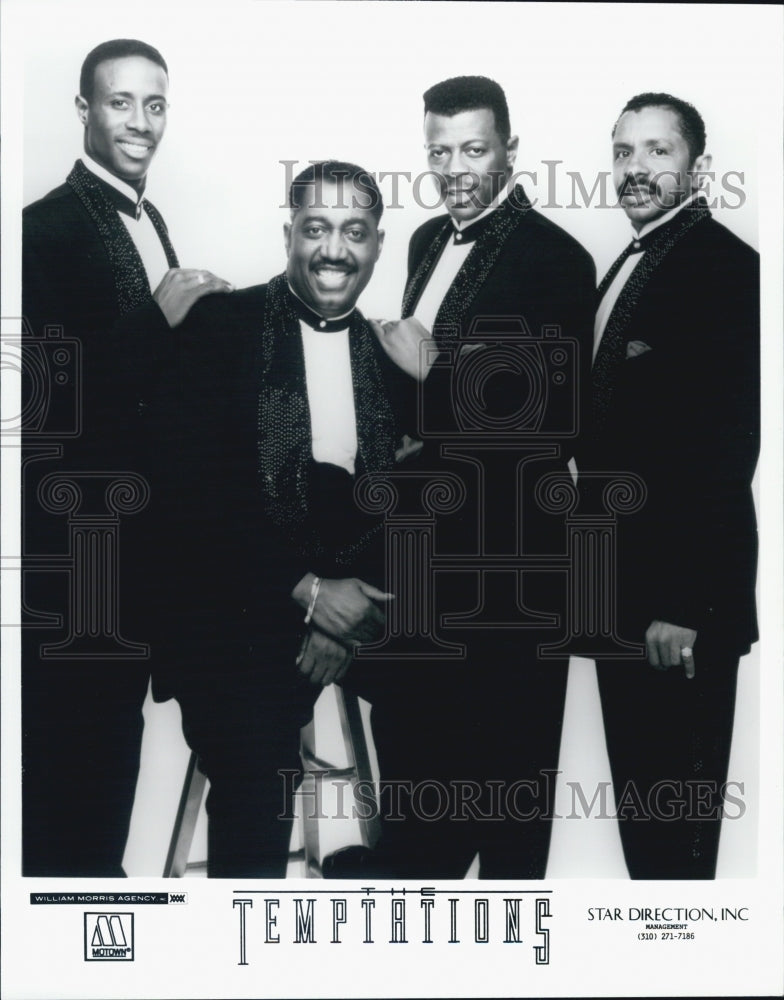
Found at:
[391, 489]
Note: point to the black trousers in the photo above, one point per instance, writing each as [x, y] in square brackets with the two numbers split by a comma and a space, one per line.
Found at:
[468, 754]
[82, 728]
[82, 733]
[668, 740]
[244, 701]
[82, 717]
[241, 713]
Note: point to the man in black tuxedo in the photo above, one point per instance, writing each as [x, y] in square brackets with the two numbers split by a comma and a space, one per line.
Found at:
[282, 404]
[496, 316]
[93, 251]
[676, 401]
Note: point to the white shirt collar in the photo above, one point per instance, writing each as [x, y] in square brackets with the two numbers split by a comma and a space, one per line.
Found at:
[110, 178]
[662, 219]
[335, 319]
[499, 199]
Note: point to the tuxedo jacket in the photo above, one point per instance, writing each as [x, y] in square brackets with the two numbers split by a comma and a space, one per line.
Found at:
[86, 299]
[525, 281]
[525, 292]
[81, 273]
[250, 510]
[681, 411]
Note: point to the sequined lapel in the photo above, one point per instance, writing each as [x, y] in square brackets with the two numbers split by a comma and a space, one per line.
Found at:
[422, 273]
[375, 420]
[612, 349]
[477, 266]
[284, 432]
[130, 277]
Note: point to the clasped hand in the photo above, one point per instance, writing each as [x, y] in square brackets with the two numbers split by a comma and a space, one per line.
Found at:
[323, 659]
[346, 613]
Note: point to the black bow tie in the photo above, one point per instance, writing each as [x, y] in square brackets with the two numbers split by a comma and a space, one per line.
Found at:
[320, 323]
[120, 201]
[469, 234]
[642, 243]
[637, 246]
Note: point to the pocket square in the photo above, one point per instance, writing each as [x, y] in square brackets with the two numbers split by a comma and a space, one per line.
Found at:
[636, 347]
[408, 448]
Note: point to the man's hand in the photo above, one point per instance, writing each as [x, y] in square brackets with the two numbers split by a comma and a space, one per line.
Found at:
[345, 609]
[323, 659]
[402, 340]
[181, 287]
[670, 646]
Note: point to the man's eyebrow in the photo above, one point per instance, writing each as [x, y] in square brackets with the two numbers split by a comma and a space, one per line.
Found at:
[309, 215]
[464, 142]
[127, 93]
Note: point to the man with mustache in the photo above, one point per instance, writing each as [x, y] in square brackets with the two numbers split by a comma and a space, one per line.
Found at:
[98, 264]
[485, 284]
[675, 399]
[282, 406]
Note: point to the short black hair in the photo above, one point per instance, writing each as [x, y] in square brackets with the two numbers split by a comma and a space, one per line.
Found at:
[337, 172]
[690, 120]
[117, 48]
[468, 93]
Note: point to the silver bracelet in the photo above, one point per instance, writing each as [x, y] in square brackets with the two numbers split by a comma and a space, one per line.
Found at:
[314, 590]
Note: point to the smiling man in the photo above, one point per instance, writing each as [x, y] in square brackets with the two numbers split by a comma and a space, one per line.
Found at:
[275, 419]
[122, 104]
[99, 265]
[675, 392]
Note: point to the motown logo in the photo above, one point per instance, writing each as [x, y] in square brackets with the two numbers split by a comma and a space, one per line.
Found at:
[108, 937]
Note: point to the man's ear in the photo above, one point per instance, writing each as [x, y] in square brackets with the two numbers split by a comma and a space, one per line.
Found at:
[511, 150]
[380, 243]
[82, 108]
[287, 236]
[701, 166]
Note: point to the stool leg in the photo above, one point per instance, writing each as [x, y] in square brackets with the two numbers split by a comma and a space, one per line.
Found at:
[309, 793]
[354, 736]
[185, 822]
[315, 771]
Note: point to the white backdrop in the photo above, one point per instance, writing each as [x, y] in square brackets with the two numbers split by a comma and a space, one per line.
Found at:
[257, 83]
[254, 83]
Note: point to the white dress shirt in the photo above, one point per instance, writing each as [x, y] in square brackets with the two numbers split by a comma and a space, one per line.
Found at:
[141, 229]
[333, 422]
[452, 258]
[624, 272]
